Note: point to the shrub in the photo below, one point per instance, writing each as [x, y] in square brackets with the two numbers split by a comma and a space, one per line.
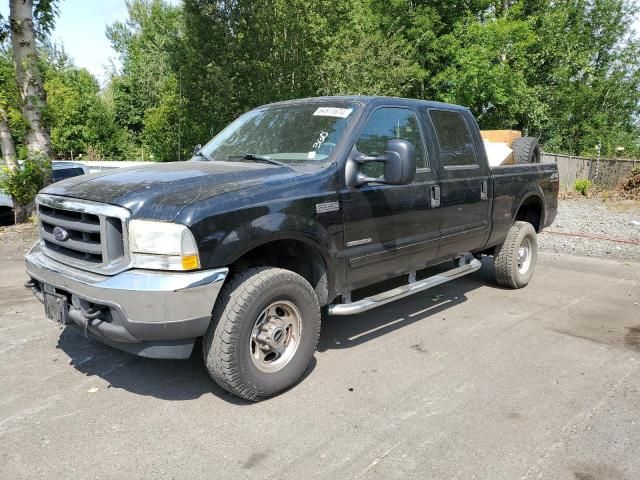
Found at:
[25, 182]
[582, 185]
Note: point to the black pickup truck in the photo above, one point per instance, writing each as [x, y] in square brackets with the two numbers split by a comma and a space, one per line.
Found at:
[288, 210]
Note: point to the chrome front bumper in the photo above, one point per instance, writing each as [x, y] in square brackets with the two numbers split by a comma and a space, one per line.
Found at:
[138, 305]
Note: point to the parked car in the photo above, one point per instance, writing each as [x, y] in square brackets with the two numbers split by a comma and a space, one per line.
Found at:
[6, 209]
[290, 209]
[59, 171]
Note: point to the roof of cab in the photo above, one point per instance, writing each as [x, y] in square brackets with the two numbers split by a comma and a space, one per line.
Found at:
[59, 164]
[377, 100]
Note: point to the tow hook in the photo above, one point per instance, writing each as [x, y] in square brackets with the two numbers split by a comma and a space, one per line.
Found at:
[35, 289]
[90, 315]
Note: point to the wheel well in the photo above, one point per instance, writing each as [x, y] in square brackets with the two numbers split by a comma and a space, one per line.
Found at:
[293, 255]
[6, 216]
[531, 211]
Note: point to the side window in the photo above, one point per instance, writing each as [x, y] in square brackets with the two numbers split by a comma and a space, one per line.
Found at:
[64, 173]
[454, 138]
[386, 124]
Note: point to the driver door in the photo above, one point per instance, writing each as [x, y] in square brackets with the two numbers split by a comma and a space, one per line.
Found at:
[389, 229]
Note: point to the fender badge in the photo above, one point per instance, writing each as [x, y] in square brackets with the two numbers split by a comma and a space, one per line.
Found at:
[327, 207]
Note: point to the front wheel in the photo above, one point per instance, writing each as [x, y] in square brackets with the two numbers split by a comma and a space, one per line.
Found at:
[515, 260]
[264, 332]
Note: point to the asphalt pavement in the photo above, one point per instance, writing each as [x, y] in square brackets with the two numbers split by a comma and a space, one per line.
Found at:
[466, 381]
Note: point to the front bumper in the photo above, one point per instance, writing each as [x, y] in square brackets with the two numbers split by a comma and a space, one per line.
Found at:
[149, 313]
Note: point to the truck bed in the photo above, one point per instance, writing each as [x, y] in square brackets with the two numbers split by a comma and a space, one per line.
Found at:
[517, 183]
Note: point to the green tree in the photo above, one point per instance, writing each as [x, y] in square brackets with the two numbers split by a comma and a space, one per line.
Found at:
[364, 59]
[487, 70]
[26, 20]
[163, 124]
[588, 64]
[146, 43]
[12, 125]
[566, 72]
[81, 120]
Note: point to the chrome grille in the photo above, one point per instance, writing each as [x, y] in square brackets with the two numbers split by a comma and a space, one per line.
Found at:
[91, 235]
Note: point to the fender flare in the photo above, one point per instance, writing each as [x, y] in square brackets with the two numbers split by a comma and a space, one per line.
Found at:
[279, 226]
[538, 195]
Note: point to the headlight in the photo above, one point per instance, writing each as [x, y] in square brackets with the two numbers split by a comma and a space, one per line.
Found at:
[162, 246]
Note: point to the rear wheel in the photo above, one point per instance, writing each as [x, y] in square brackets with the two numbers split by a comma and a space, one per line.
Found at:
[515, 260]
[264, 332]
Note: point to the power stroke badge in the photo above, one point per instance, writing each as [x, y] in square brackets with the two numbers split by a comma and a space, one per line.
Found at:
[327, 207]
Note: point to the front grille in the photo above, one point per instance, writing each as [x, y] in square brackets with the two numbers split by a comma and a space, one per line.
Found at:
[84, 242]
[90, 235]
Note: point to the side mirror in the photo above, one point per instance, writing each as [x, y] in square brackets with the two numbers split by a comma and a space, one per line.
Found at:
[399, 165]
[197, 148]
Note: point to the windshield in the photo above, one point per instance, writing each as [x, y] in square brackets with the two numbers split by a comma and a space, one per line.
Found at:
[304, 132]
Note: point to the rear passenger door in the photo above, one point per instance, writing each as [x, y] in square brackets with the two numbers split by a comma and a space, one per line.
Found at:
[464, 182]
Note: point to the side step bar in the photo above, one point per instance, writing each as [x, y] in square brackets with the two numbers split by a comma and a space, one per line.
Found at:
[374, 301]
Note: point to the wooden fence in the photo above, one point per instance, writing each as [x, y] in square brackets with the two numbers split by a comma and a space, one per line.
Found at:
[606, 172]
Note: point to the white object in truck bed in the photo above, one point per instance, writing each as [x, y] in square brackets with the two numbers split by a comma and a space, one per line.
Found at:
[498, 153]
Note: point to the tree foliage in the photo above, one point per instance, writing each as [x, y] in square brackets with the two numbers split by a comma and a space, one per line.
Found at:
[24, 183]
[80, 115]
[565, 72]
[81, 118]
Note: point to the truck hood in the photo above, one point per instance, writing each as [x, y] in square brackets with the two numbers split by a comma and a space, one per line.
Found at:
[160, 191]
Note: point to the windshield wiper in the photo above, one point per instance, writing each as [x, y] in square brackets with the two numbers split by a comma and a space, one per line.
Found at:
[201, 155]
[260, 158]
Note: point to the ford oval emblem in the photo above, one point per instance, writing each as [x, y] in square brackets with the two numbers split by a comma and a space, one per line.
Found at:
[60, 234]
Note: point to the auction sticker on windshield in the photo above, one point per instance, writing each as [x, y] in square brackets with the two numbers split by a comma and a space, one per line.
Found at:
[333, 112]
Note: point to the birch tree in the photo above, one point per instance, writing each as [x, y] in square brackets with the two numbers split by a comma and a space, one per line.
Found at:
[6, 141]
[25, 58]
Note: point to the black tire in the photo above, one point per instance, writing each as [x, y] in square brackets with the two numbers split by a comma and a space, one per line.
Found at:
[510, 267]
[227, 345]
[6, 216]
[526, 150]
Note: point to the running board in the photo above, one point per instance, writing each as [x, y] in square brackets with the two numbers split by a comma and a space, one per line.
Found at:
[374, 301]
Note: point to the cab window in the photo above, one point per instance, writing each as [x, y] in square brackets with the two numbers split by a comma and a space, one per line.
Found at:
[454, 139]
[389, 123]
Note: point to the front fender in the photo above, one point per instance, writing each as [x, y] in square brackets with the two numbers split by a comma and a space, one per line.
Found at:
[278, 226]
[223, 246]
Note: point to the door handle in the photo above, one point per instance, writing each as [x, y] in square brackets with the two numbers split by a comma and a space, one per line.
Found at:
[483, 190]
[435, 196]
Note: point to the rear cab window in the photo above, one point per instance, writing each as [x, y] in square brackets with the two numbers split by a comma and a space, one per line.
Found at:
[64, 173]
[454, 139]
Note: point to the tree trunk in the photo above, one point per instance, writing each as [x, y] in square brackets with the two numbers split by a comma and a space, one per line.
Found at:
[25, 59]
[6, 142]
[22, 212]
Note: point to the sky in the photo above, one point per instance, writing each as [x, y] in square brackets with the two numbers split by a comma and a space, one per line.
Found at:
[81, 26]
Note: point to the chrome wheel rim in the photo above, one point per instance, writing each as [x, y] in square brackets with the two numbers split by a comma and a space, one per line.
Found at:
[275, 336]
[524, 256]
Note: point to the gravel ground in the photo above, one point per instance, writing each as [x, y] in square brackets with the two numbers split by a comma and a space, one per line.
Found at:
[608, 221]
[16, 240]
